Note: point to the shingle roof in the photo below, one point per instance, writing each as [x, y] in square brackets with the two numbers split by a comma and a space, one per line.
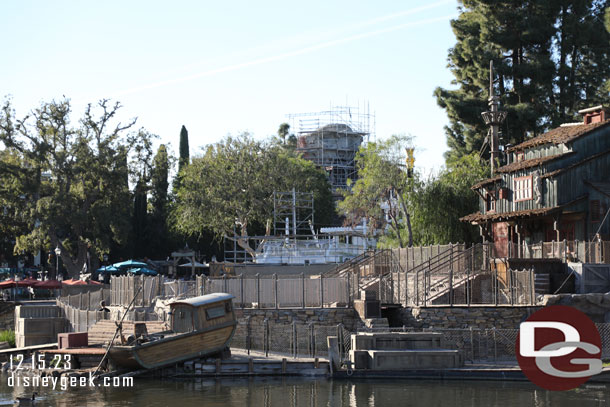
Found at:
[533, 162]
[480, 217]
[560, 135]
[572, 166]
[486, 182]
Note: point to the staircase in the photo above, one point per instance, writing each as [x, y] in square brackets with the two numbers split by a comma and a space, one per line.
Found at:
[437, 279]
[447, 272]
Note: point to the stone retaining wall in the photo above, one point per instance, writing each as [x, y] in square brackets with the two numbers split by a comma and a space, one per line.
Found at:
[465, 317]
[319, 316]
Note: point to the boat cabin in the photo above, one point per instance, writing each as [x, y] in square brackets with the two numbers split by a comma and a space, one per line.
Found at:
[201, 313]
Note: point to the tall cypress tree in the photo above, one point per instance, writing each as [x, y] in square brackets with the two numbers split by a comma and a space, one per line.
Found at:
[184, 148]
[550, 58]
[183, 159]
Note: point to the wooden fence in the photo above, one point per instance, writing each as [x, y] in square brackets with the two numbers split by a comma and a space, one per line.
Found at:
[281, 291]
[412, 257]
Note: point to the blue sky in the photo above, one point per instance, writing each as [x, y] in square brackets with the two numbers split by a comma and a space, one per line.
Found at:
[228, 67]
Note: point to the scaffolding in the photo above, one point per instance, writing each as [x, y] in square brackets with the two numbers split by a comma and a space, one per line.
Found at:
[293, 213]
[294, 240]
[331, 139]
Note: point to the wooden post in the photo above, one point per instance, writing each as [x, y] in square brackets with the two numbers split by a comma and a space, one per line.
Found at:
[293, 343]
[417, 287]
[349, 292]
[258, 290]
[241, 289]
[321, 291]
[144, 304]
[451, 275]
[532, 287]
[510, 275]
[398, 278]
[468, 285]
[495, 285]
[275, 290]
[303, 288]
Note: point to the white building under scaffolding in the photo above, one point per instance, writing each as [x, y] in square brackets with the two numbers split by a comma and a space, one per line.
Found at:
[331, 139]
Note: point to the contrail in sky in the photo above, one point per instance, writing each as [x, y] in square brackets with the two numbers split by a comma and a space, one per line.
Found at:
[297, 52]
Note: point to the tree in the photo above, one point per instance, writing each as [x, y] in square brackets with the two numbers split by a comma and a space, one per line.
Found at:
[283, 131]
[159, 202]
[380, 188]
[551, 59]
[231, 187]
[140, 220]
[184, 149]
[183, 158]
[439, 201]
[65, 185]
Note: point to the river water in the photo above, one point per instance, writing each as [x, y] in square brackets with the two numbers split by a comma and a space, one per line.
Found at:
[292, 392]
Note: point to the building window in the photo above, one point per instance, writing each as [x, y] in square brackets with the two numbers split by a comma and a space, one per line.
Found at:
[595, 210]
[491, 202]
[522, 188]
[520, 156]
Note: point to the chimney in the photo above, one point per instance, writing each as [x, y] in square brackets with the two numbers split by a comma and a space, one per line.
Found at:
[595, 114]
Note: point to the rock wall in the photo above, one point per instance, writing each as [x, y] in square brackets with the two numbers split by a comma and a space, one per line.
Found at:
[465, 317]
[319, 316]
[596, 306]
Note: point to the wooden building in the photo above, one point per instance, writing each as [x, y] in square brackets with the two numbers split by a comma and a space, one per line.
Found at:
[553, 187]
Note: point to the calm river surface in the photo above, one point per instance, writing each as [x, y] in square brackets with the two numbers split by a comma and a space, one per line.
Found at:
[319, 392]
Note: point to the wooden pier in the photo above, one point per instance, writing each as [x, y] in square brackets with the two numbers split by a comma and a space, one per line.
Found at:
[254, 364]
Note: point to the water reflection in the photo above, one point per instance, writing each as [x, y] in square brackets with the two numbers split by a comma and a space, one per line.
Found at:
[297, 392]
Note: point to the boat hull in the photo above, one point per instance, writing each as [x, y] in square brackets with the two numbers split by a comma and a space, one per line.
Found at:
[174, 349]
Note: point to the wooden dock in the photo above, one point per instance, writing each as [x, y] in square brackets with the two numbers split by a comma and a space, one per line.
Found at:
[255, 364]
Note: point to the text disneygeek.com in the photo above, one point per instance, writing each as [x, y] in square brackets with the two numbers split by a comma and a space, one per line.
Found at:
[64, 382]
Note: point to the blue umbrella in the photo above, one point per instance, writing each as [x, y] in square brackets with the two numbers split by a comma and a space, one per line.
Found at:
[107, 269]
[142, 270]
[130, 264]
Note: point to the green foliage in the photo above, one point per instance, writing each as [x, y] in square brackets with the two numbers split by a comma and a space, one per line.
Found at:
[232, 183]
[381, 177]
[283, 131]
[8, 336]
[438, 202]
[550, 59]
[157, 231]
[65, 185]
[433, 205]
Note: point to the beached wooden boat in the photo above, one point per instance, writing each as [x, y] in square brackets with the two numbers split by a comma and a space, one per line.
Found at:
[200, 326]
